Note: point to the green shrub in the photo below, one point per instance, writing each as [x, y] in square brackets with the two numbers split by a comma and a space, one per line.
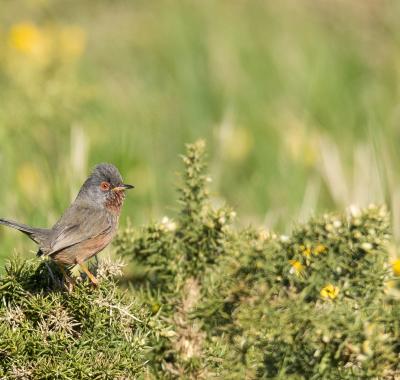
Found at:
[247, 303]
[47, 333]
[325, 317]
[179, 255]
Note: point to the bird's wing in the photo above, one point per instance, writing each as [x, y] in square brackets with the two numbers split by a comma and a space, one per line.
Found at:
[79, 223]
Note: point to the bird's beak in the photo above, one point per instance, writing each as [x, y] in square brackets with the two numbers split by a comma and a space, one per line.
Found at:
[123, 187]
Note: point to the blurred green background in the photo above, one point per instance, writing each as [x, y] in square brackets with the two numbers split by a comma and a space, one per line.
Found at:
[298, 102]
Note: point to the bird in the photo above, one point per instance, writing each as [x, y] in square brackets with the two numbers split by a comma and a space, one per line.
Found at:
[87, 226]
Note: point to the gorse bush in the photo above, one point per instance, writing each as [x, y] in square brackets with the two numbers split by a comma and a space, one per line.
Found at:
[215, 300]
[247, 303]
[312, 305]
[179, 255]
[47, 333]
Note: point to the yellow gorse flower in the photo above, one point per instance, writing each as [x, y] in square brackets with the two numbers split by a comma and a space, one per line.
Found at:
[396, 267]
[47, 43]
[28, 39]
[320, 248]
[329, 291]
[297, 267]
[305, 250]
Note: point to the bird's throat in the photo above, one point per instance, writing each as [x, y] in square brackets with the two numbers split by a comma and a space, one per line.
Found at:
[115, 201]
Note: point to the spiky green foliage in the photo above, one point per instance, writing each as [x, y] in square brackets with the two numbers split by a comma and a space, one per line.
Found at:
[312, 305]
[179, 255]
[48, 333]
[247, 303]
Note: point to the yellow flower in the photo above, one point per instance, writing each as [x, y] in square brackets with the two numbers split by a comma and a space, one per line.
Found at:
[305, 250]
[297, 267]
[396, 267]
[320, 248]
[329, 291]
[28, 39]
[72, 42]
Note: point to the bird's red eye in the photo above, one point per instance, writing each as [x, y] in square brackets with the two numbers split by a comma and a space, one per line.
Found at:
[104, 186]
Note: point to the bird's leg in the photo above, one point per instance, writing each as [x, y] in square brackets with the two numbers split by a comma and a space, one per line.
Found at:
[50, 271]
[69, 280]
[94, 280]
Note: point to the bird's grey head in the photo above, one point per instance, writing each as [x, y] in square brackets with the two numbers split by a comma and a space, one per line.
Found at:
[104, 187]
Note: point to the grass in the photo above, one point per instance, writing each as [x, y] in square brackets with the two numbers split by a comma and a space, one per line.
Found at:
[296, 99]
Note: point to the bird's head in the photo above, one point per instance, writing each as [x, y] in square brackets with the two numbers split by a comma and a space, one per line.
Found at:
[104, 187]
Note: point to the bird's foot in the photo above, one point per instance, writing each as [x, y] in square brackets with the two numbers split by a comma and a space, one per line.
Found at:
[94, 281]
[92, 278]
[69, 283]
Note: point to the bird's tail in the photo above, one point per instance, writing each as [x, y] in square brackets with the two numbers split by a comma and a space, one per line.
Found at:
[38, 235]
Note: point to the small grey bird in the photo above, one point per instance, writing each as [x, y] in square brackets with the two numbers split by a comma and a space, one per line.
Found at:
[87, 226]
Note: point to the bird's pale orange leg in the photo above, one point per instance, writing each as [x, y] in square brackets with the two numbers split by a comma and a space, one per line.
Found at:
[94, 280]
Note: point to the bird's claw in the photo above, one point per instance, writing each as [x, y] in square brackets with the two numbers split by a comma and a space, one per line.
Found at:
[95, 282]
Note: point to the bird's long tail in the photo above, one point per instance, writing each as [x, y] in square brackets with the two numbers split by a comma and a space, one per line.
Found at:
[38, 235]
